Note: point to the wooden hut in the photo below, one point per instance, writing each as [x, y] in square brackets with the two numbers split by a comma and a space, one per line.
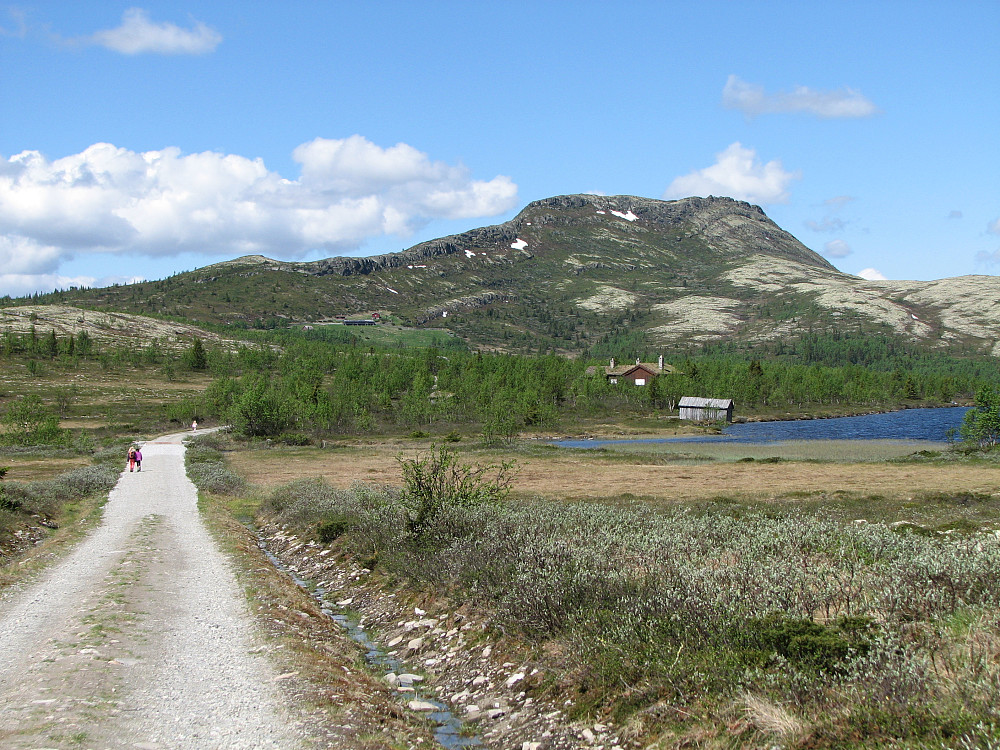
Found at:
[698, 409]
[641, 373]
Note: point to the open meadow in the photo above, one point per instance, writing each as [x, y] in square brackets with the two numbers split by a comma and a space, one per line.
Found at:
[837, 472]
[796, 595]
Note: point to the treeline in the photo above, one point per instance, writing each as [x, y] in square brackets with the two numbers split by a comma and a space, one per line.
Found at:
[330, 381]
[312, 385]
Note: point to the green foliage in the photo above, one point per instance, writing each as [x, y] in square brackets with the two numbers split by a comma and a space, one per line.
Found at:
[29, 421]
[981, 425]
[196, 358]
[261, 410]
[294, 439]
[806, 643]
[330, 530]
[5, 502]
[436, 482]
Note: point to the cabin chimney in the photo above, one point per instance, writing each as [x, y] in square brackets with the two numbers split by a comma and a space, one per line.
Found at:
[637, 360]
[612, 362]
[661, 362]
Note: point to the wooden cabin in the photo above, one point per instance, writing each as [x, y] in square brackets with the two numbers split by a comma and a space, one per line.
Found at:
[698, 409]
[640, 373]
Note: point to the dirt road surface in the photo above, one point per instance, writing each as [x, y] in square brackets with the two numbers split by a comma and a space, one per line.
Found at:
[140, 638]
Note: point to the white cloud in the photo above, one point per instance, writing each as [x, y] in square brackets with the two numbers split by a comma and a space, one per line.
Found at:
[989, 259]
[752, 100]
[993, 227]
[138, 34]
[737, 173]
[836, 249]
[162, 203]
[831, 223]
[872, 274]
[828, 224]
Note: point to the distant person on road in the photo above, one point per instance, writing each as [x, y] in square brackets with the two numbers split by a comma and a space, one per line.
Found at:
[131, 458]
[194, 425]
[138, 460]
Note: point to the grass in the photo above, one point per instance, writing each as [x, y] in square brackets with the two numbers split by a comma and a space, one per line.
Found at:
[665, 477]
[744, 617]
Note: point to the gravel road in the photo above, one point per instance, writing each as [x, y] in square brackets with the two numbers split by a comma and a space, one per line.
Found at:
[141, 637]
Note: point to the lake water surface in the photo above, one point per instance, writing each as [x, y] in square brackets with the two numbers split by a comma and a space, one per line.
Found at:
[908, 424]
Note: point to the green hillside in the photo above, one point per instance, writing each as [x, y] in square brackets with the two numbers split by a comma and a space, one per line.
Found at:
[571, 271]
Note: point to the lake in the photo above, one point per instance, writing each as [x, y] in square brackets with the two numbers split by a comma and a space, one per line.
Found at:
[908, 424]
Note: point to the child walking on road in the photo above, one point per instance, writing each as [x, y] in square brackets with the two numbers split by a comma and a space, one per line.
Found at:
[138, 460]
[131, 457]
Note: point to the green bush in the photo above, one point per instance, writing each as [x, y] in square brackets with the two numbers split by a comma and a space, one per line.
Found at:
[330, 530]
[437, 481]
[294, 438]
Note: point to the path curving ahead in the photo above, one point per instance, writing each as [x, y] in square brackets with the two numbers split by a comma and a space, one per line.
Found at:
[140, 638]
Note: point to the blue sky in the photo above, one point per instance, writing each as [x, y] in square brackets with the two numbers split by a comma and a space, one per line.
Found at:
[138, 140]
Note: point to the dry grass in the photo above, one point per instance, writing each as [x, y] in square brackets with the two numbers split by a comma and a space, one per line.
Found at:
[33, 468]
[577, 475]
[771, 718]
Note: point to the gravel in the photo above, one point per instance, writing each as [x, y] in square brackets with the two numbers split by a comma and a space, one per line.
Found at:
[140, 638]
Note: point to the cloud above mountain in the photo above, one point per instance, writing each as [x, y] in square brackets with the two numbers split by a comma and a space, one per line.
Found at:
[162, 203]
[737, 173]
[753, 100]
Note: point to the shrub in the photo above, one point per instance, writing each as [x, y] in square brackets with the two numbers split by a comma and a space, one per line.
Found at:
[437, 481]
[294, 438]
[214, 477]
[331, 529]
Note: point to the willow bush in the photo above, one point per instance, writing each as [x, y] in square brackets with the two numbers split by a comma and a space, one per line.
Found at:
[862, 627]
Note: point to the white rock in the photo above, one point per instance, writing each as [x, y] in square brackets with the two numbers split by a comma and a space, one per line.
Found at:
[480, 680]
[487, 651]
[421, 706]
[408, 678]
[395, 641]
[344, 602]
[419, 612]
[392, 679]
[588, 735]
[494, 713]
[414, 644]
[514, 679]
[531, 745]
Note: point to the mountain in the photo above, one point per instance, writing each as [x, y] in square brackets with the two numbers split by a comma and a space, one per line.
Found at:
[569, 270]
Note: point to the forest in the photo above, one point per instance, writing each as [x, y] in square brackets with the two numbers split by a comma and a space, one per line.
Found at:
[330, 381]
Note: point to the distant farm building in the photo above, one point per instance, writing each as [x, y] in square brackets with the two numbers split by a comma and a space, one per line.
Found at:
[640, 373]
[698, 409]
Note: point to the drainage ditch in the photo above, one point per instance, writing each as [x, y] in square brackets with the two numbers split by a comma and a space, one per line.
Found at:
[450, 731]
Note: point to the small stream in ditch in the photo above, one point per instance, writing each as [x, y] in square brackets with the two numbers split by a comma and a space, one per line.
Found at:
[450, 732]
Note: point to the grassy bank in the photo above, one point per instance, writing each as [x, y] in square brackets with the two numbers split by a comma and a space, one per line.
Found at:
[38, 515]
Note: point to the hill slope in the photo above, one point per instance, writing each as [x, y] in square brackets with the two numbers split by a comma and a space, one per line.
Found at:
[568, 270]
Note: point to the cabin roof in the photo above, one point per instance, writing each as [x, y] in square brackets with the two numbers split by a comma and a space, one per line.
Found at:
[712, 403]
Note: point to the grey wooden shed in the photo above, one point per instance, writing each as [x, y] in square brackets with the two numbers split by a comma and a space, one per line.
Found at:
[699, 409]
